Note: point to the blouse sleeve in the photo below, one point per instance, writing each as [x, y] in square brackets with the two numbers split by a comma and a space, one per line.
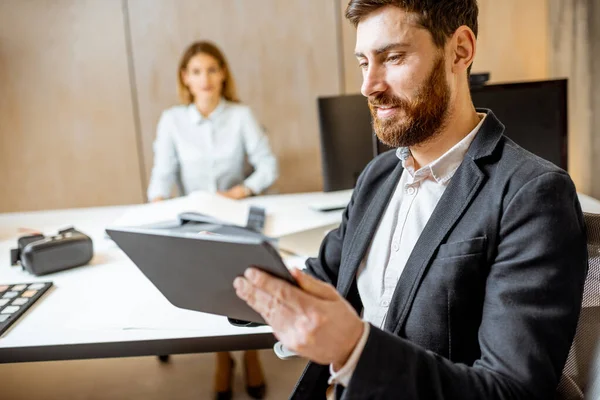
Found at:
[166, 161]
[260, 156]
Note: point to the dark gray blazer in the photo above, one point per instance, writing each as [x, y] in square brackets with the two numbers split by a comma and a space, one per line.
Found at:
[487, 305]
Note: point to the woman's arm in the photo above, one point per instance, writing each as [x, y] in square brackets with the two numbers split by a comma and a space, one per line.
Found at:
[166, 161]
[259, 154]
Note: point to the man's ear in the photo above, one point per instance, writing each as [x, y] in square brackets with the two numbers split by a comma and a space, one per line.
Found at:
[463, 47]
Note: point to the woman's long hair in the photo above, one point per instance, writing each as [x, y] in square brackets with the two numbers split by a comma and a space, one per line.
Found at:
[227, 91]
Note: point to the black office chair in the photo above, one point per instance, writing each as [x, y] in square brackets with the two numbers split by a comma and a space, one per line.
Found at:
[581, 375]
[592, 390]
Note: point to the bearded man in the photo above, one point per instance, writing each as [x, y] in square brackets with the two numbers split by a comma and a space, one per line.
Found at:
[458, 269]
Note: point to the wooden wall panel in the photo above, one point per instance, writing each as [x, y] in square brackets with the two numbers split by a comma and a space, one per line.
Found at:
[575, 54]
[593, 168]
[570, 57]
[67, 116]
[512, 42]
[283, 55]
[67, 135]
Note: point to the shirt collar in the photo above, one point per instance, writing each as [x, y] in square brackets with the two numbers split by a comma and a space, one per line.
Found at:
[196, 117]
[442, 169]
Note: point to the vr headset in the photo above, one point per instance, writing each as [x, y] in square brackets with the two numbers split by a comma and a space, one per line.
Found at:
[41, 255]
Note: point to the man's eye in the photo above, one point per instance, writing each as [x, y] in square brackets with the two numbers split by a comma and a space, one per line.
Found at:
[363, 65]
[394, 58]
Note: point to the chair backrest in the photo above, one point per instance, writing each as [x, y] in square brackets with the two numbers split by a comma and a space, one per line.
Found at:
[581, 375]
[592, 391]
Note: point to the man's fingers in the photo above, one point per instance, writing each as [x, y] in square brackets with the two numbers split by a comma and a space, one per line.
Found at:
[314, 286]
[278, 288]
[269, 307]
[261, 302]
[288, 293]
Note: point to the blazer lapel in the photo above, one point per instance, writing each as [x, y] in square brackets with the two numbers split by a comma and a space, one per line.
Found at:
[363, 235]
[461, 190]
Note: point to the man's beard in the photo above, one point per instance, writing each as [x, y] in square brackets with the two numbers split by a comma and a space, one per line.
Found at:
[416, 121]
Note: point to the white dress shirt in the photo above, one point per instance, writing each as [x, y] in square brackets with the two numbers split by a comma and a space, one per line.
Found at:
[408, 211]
[209, 153]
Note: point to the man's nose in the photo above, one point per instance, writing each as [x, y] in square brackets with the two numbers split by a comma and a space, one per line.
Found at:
[373, 81]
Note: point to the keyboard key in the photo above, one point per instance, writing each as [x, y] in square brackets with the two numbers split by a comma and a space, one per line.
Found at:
[36, 286]
[10, 310]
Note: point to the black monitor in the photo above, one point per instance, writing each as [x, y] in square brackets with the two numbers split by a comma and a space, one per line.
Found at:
[535, 115]
[346, 140]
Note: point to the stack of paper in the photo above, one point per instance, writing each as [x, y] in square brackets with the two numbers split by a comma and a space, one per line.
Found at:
[282, 218]
[213, 205]
[332, 201]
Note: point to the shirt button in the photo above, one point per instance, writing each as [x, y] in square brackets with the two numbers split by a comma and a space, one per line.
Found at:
[410, 190]
[396, 246]
[385, 303]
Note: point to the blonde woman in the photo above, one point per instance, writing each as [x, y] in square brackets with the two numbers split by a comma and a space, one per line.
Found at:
[203, 144]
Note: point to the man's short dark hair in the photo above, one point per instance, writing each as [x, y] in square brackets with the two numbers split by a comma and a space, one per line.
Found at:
[440, 17]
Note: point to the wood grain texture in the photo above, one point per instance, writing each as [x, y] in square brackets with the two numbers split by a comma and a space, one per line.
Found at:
[67, 120]
[570, 57]
[512, 42]
[283, 55]
[594, 40]
[66, 127]
[352, 72]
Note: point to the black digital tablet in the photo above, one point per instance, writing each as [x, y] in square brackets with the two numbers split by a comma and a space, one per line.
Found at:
[195, 270]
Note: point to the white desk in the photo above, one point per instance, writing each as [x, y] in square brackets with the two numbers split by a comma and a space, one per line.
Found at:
[111, 289]
[84, 314]
[589, 204]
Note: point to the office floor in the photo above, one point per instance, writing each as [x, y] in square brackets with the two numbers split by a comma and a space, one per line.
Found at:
[185, 377]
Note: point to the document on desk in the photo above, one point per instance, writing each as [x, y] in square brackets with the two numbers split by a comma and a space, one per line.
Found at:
[299, 219]
[331, 201]
[292, 213]
[209, 204]
[280, 220]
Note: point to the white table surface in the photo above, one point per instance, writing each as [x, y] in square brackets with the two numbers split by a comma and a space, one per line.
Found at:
[91, 305]
[589, 204]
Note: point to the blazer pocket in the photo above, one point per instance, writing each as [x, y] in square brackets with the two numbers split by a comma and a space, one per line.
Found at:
[463, 248]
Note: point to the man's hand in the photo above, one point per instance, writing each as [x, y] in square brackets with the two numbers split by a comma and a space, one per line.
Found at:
[314, 320]
[237, 192]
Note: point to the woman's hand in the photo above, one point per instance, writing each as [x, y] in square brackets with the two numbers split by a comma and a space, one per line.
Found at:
[237, 192]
